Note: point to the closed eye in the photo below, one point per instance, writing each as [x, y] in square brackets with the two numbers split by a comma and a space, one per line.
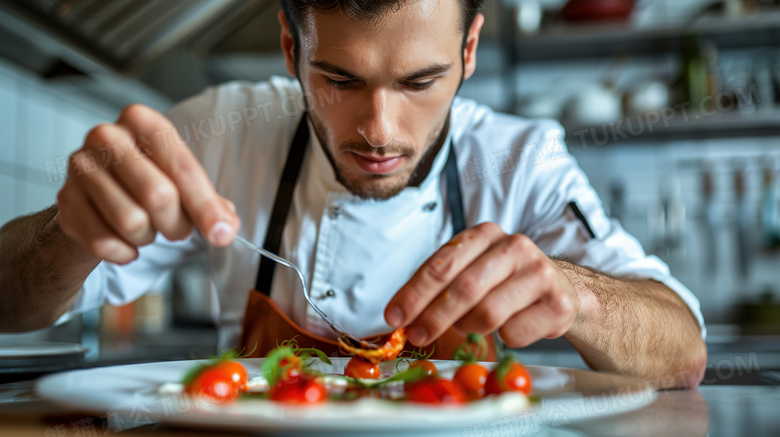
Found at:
[339, 83]
[419, 86]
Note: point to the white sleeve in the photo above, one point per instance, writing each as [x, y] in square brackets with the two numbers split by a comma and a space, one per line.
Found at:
[119, 285]
[551, 222]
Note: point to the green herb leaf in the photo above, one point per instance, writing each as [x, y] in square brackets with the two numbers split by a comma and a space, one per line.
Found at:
[320, 354]
[472, 350]
[503, 368]
[409, 375]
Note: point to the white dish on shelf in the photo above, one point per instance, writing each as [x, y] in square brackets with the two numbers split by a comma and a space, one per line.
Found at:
[130, 396]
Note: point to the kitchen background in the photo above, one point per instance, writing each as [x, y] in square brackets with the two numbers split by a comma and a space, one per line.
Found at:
[672, 107]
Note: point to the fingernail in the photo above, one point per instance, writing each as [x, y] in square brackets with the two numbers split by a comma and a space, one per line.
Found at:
[395, 317]
[221, 234]
[418, 336]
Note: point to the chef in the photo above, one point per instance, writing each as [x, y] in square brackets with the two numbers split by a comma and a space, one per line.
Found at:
[403, 205]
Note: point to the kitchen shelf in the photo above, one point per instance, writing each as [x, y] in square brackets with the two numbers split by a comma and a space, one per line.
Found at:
[566, 42]
[761, 123]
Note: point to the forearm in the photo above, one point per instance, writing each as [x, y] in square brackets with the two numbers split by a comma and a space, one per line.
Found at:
[641, 328]
[41, 270]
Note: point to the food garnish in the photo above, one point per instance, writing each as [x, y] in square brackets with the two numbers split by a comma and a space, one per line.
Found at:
[388, 351]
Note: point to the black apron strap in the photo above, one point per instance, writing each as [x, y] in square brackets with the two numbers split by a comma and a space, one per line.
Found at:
[281, 208]
[284, 195]
[454, 197]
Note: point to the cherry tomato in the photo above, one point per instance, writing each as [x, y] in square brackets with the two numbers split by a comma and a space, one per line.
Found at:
[428, 367]
[471, 378]
[223, 381]
[299, 390]
[435, 391]
[517, 378]
[360, 368]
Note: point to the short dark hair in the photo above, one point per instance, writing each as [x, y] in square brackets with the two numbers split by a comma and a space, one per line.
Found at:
[363, 10]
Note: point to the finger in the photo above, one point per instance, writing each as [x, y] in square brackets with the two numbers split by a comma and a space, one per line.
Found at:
[489, 270]
[200, 201]
[531, 325]
[118, 210]
[439, 271]
[156, 193]
[518, 292]
[80, 221]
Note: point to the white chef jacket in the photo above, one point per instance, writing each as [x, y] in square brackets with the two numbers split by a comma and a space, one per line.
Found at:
[514, 172]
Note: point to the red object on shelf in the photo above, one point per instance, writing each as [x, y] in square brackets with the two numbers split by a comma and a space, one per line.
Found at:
[597, 10]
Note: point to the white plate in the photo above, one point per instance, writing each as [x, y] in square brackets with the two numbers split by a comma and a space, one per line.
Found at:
[36, 357]
[130, 396]
[40, 349]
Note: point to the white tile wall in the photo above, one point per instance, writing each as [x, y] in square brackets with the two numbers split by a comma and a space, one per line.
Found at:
[40, 122]
[7, 190]
[8, 106]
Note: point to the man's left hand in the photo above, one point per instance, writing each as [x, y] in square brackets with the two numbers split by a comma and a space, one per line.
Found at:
[485, 280]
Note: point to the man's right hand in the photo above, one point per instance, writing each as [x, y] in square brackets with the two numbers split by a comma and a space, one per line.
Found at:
[120, 203]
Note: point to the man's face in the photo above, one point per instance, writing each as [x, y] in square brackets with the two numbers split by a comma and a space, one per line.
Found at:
[394, 81]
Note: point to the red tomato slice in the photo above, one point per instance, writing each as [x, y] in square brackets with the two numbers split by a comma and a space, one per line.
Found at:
[223, 381]
[517, 378]
[435, 391]
[471, 378]
[359, 368]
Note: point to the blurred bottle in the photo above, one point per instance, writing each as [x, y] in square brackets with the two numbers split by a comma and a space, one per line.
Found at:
[666, 222]
[709, 218]
[743, 224]
[709, 55]
[770, 222]
[117, 328]
[152, 314]
[699, 82]
[693, 78]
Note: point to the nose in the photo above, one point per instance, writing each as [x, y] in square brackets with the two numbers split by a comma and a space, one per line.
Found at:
[377, 124]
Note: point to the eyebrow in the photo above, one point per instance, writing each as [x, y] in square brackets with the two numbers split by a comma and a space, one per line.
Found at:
[419, 74]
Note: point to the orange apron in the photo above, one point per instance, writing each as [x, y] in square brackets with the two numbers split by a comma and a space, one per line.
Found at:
[265, 326]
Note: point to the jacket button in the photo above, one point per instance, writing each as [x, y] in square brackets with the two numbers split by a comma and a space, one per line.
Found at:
[330, 293]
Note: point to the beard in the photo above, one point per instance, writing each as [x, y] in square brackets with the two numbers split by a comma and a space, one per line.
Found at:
[381, 186]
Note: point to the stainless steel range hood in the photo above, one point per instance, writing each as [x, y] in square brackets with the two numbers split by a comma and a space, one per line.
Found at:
[121, 35]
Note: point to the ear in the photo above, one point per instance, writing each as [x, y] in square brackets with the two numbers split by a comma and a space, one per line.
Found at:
[288, 44]
[470, 51]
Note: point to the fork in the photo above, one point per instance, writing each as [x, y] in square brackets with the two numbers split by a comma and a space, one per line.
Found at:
[343, 335]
